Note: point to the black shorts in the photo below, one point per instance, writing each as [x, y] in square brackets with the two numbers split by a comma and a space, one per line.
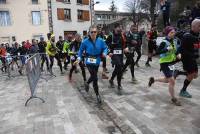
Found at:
[190, 66]
[167, 70]
[117, 60]
[152, 46]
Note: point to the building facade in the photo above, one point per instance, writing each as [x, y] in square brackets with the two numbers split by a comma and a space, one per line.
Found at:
[22, 20]
[71, 16]
[107, 19]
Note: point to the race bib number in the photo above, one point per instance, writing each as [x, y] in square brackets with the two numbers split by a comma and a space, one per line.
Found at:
[117, 52]
[172, 67]
[92, 60]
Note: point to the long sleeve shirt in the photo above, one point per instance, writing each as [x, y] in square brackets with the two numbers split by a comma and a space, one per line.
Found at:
[93, 49]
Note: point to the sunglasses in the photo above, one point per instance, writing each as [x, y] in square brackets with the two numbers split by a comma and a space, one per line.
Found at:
[93, 32]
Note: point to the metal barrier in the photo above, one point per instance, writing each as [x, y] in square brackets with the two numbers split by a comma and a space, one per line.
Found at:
[33, 73]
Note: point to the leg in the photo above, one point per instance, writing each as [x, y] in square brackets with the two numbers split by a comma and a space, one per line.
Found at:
[42, 61]
[119, 74]
[59, 62]
[132, 67]
[138, 51]
[83, 70]
[73, 67]
[51, 61]
[127, 63]
[47, 62]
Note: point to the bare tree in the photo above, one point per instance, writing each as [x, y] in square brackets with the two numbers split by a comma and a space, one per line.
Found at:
[133, 6]
[113, 7]
[139, 10]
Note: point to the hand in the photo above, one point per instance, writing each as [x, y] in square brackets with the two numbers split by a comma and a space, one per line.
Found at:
[110, 54]
[76, 62]
[126, 50]
[169, 48]
[178, 56]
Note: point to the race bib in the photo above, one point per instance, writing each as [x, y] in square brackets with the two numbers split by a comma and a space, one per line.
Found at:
[92, 60]
[172, 67]
[117, 52]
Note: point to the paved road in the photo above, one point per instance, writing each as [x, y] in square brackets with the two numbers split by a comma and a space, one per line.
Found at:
[149, 110]
[69, 109]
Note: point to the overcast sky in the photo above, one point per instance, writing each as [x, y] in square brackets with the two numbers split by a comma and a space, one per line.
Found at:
[105, 4]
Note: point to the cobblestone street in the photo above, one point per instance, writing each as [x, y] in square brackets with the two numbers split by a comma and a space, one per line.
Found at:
[68, 109]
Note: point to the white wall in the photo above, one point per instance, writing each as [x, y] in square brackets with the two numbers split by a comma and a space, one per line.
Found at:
[21, 19]
[59, 26]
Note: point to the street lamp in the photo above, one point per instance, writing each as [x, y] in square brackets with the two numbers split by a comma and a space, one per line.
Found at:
[92, 8]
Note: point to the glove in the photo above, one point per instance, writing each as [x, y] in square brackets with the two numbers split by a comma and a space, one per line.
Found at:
[110, 54]
[169, 48]
[178, 56]
[77, 61]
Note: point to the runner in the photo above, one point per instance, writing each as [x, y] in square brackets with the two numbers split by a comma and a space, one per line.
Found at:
[42, 50]
[94, 49]
[133, 42]
[152, 36]
[73, 53]
[190, 53]
[168, 51]
[52, 51]
[116, 44]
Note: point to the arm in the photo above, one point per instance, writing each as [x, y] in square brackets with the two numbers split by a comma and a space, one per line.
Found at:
[105, 49]
[161, 49]
[80, 52]
[109, 43]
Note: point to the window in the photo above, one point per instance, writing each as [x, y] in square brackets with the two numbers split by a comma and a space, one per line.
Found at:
[67, 13]
[36, 18]
[79, 1]
[37, 37]
[80, 14]
[103, 16]
[108, 17]
[34, 1]
[98, 17]
[83, 15]
[84, 2]
[66, 1]
[5, 18]
[2, 1]
[63, 14]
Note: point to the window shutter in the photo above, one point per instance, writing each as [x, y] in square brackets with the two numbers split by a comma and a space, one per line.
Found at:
[60, 14]
[85, 2]
[86, 15]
